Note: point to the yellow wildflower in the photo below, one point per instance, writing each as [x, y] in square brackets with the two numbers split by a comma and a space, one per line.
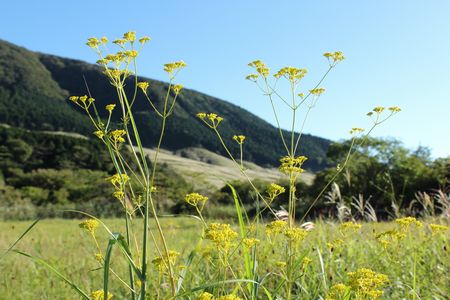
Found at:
[349, 226]
[93, 42]
[239, 139]
[275, 227]
[170, 68]
[436, 228]
[260, 67]
[90, 225]
[291, 164]
[99, 257]
[378, 109]
[177, 88]
[221, 235]
[334, 57]
[230, 297]
[194, 198]
[100, 295]
[317, 91]
[130, 36]
[295, 235]
[406, 222]
[143, 86]
[117, 135]
[365, 282]
[110, 107]
[394, 109]
[250, 242]
[252, 77]
[161, 263]
[274, 190]
[291, 73]
[205, 296]
[100, 134]
[337, 291]
[356, 130]
[144, 39]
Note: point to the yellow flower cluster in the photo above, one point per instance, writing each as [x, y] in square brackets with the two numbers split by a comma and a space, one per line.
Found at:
[82, 101]
[161, 263]
[305, 262]
[99, 133]
[194, 198]
[230, 297]
[110, 107]
[100, 295]
[90, 225]
[334, 244]
[250, 242]
[349, 226]
[276, 227]
[177, 88]
[291, 164]
[388, 237]
[436, 228]
[317, 91]
[117, 136]
[118, 180]
[205, 296]
[221, 235]
[292, 74]
[337, 291]
[334, 57]
[211, 119]
[295, 234]
[170, 68]
[239, 139]
[260, 67]
[365, 283]
[143, 86]
[274, 190]
[406, 222]
[356, 130]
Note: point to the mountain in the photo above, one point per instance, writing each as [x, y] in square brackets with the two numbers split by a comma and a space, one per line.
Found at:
[34, 88]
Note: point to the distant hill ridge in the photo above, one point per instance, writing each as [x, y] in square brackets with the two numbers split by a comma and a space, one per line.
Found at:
[34, 87]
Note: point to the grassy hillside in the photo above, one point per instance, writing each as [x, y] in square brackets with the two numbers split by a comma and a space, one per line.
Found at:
[33, 88]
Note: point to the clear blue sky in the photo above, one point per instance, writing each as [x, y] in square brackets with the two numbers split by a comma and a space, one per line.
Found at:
[398, 52]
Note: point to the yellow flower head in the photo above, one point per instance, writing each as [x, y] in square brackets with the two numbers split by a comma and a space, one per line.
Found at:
[205, 296]
[221, 235]
[143, 86]
[276, 227]
[291, 164]
[252, 77]
[395, 109]
[436, 228]
[117, 136]
[74, 98]
[337, 291]
[349, 226]
[177, 88]
[334, 57]
[406, 222]
[100, 295]
[317, 91]
[110, 107]
[161, 263]
[173, 67]
[250, 242]
[90, 225]
[356, 130]
[366, 282]
[93, 42]
[130, 36]
[260, 67]
[100, 134]
[230, 297]
[210, 119]
[120, 42]
[274, 190]
[292, 74]
[104, 40]
[295, 235]
[239, 139]
[144, 40]
[378, 109]
[194, 198]
[118, 180]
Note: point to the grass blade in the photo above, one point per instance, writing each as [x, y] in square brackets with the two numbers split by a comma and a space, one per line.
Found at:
[111, 243]
[20, 237]
[56, 272]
